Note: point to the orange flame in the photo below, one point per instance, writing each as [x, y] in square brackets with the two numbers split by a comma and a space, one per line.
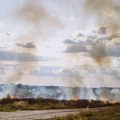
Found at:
[12, 97]
[75, 98]
[114, 102]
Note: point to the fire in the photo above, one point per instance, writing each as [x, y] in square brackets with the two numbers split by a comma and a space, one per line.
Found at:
[75, 98]
[114, 102]
[12, 97]
[105, 101]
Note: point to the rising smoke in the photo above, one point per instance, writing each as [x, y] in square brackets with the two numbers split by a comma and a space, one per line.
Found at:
[105, 13]
[60, 93]
[37, 21]
[38, 25]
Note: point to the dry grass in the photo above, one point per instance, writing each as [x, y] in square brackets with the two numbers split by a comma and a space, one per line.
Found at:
[111, 113]
[20, 104]
[43, 104]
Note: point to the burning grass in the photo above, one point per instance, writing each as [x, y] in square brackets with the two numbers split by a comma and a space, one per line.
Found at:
[13, 103]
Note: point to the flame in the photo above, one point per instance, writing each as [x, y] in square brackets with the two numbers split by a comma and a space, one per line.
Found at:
[75, 98]
[105, 101]
[114, 102]
[12, 97]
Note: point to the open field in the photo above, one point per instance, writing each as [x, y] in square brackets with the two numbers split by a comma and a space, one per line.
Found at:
[36, 115]
[13, 104]
[38, 109]
[107, 113]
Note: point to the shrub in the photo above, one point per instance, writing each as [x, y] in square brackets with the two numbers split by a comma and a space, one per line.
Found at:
[20, 104]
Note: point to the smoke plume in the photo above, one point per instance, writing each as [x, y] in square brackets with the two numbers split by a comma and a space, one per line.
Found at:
[38, 24]
[57, 92]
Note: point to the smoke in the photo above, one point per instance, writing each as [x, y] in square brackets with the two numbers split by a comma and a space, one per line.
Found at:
[38, 24]
[99, 53]
[74, 78]
[55, 92]
[99, 10]
[106, 12]
[37, 19]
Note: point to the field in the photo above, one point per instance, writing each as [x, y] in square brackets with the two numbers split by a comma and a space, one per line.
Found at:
[13, 104]
[71, 109]
[110, 113]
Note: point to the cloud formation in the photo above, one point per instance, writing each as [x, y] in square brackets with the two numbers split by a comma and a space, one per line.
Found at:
[21, 57]
[76, 48]
[102, 30]
[26, 45]
[68, 41]
[97, 44]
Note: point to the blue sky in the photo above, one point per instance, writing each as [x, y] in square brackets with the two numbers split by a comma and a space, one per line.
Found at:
[60, 42]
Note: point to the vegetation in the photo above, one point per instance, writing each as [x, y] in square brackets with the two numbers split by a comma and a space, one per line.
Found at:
[111, 113]
[12, 104]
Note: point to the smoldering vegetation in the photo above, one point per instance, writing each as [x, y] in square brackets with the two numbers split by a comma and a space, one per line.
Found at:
[60, 93]
[10, 105]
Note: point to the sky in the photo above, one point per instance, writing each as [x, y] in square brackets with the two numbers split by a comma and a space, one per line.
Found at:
[60, 42]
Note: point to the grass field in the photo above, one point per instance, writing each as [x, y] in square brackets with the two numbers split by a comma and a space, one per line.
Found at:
[8, 104]
[111, 113]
